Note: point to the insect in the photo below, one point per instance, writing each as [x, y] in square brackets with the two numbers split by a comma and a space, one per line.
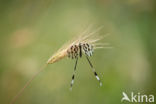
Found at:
[83, 45]
[76, 51]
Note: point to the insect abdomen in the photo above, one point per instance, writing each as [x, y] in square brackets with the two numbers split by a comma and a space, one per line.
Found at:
[76, 50]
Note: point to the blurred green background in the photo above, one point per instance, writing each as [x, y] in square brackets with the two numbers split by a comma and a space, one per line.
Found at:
[32, 30]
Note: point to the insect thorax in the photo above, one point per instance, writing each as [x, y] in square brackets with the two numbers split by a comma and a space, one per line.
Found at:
[76, 51]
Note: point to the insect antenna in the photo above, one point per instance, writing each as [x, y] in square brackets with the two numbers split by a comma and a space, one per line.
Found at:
[94, 71]
[73, 76]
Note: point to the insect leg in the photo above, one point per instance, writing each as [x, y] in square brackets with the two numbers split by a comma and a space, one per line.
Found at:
[94, 71]
[73, 76]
